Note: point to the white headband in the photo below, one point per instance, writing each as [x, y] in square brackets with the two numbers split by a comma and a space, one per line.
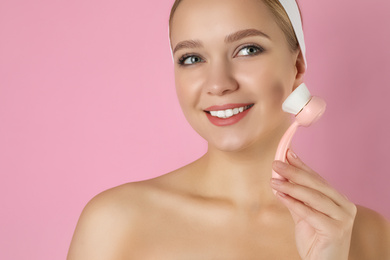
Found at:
[292, 10]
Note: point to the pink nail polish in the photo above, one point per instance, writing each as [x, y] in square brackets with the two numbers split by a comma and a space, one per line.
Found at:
[293, 154]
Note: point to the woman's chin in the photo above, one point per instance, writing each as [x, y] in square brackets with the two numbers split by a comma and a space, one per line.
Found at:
[230, 144]
[250, 141]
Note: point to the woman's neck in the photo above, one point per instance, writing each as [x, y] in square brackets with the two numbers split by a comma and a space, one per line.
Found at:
[242, 177]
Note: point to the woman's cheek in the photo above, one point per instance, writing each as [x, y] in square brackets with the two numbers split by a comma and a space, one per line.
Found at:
[182, 95]
[188, 91]
[184, 89]
[270, 91]
[277, 93]
[264, 83]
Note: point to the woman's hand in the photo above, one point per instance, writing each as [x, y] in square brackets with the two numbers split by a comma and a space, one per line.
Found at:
[323, 217]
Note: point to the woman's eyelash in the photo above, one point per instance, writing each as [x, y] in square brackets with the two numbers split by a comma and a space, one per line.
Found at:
[182, 59]
[259, 49]
[186, 56]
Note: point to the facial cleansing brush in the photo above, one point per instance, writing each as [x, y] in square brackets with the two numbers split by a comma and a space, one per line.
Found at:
[307, 110]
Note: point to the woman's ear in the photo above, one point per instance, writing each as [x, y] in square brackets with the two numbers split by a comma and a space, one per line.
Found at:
[300, 69]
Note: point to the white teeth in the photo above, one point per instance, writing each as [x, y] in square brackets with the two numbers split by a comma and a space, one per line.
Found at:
[228, 112]
[221, 114]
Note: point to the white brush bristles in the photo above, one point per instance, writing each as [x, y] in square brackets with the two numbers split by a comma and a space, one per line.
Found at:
[297, 100]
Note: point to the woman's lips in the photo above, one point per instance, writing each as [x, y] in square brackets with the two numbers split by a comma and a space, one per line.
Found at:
[227, 106]
[228, 114]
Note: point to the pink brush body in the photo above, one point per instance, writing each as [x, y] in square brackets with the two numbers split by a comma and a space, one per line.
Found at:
[312, 111]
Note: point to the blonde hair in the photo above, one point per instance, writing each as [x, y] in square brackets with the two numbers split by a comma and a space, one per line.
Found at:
[279, 13]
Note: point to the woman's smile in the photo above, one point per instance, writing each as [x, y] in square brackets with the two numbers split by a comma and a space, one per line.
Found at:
[228, 114]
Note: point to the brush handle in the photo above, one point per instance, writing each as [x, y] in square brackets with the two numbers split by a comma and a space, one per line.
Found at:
[284, 144]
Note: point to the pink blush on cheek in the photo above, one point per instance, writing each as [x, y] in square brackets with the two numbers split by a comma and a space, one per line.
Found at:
[274, 96]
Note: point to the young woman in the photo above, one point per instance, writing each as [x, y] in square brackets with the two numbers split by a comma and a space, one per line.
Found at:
[241, 57]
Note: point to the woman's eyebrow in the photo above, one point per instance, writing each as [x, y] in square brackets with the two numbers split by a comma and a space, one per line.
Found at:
[243, 34]
[189, 44]
[192, 44]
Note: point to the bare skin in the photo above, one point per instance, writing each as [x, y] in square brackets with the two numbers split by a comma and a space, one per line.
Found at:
[168, 218]
[221, 206]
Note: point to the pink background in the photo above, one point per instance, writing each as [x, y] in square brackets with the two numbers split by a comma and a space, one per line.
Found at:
[87, 102]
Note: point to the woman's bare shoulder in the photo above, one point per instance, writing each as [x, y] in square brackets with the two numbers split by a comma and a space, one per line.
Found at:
[129, 198]
[126, 200]
[112, 217]
[371, 235]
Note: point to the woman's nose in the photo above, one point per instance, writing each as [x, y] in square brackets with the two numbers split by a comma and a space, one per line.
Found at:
[220, 80]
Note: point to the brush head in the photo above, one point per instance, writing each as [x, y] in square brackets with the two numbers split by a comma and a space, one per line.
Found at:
[297, 100]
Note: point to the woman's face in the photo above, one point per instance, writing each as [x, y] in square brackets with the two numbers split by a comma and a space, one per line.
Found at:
[234, 57]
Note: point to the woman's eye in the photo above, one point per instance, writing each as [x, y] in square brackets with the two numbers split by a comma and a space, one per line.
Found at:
[189, 60]
[250, 50]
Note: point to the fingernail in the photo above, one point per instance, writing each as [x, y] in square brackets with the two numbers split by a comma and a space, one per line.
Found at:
[292, 154]
[281, 194]
[280, 164]
[276, 181]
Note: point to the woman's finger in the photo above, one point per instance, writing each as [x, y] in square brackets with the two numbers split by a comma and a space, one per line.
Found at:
[310, 197]
[317, 220]
[293, 159]
[299, 173]
[310, 180]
